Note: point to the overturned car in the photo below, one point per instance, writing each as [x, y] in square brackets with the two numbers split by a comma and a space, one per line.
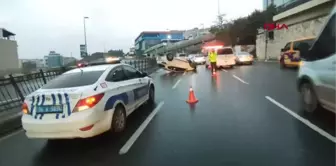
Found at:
[177, 63]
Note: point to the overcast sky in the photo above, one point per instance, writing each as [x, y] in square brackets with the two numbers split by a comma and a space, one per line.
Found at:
[44, 25]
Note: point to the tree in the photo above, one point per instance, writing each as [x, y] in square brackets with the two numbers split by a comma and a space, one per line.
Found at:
[117, 53]
[242, 31]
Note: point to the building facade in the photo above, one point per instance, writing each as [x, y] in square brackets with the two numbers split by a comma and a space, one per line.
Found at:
[54, 60]
[283, 5]
[39, 62]
[148, 39]
[8, 50]
[303, 20]
[68, 60]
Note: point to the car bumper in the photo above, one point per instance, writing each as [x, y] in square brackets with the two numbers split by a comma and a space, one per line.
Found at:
[199, 62]
[226, 63]
[69, 127]
[244, 61]
[294, 64]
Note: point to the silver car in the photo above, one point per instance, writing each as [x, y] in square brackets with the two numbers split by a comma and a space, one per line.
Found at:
[317, 73]
[244, 58]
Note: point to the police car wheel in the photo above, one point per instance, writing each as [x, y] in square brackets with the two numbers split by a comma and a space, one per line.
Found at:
[119, 119]
[151, 94]
[309, 102]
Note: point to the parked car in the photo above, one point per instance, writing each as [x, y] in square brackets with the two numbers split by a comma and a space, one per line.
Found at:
[290, 54]
[317, 75]
[244, 58]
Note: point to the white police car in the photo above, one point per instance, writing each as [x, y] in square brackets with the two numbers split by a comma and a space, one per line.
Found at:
[85, 102]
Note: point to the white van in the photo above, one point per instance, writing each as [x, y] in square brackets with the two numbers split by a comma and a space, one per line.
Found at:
[317, 73]
[225, 57]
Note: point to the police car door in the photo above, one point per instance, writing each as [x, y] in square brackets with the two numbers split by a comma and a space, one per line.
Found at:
[120, 88]
[139, 84]
[325, 63]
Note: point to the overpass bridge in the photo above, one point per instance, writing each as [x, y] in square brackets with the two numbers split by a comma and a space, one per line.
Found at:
[179, 47]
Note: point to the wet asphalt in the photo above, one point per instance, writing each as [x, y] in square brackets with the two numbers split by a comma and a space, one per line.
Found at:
[233, 124]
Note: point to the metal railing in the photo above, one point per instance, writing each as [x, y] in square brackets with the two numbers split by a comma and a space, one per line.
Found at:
[14, 88]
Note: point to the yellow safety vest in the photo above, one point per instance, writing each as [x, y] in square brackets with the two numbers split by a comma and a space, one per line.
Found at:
[212, 57]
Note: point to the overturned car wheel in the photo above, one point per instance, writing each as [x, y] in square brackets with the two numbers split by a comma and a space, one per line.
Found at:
[193, 65]
[170, 57]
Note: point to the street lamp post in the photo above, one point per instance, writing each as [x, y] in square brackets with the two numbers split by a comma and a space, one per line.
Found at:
[85, 35]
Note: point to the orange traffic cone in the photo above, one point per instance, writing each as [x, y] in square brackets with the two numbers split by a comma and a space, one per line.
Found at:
[192, 99]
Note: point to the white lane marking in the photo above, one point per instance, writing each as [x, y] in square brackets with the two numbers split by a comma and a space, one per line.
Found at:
[175, 85]
[224, 70]
[305, 121]
[241, 80]
[141, 128]
[11, 135]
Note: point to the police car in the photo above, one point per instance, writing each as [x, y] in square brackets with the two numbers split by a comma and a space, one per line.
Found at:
[87, 101]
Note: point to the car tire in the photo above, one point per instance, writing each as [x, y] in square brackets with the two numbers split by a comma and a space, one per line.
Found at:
[119, 119]
[170, 57]
[151, 96]
[193, 65]
[309, 101]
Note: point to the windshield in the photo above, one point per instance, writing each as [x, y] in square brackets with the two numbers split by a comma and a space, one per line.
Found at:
[310, 42]
[243, 53]
[224, 51]
[74, 80]
[199, 55]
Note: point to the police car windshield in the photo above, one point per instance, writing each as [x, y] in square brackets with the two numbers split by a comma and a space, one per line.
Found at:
[224, 51]
[74, 80]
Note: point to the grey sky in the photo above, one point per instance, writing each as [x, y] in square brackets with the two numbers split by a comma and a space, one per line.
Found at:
[44, 25]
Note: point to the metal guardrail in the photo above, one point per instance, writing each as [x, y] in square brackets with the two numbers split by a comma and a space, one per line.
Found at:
[14, 88]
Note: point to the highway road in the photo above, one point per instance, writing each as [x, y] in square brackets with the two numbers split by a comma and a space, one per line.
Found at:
[246, 116]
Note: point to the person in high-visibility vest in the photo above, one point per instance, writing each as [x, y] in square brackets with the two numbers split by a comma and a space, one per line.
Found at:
[213, 60]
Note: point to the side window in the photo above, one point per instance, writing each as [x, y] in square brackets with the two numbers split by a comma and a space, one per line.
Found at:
[116, 75]
[131, 73]
[287, 46]
[296, 45]
[325, 44]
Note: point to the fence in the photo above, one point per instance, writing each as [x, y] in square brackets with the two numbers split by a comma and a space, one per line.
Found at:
[14, 88]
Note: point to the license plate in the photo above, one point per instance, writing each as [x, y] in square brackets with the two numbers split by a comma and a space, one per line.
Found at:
[49, 109]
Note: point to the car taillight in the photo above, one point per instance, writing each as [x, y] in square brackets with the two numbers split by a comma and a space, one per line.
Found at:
[25, 108]
[88, 102]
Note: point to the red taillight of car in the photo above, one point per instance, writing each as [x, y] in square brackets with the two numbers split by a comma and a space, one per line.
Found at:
[79, 65]
[25, 108]
[88, 102]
